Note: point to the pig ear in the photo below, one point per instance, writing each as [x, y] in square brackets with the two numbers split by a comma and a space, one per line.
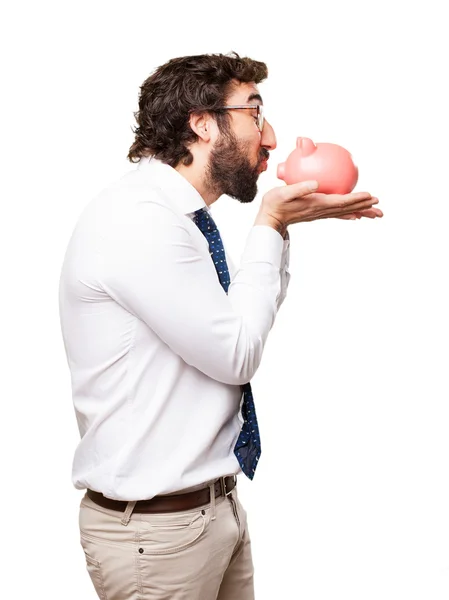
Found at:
[305, 144]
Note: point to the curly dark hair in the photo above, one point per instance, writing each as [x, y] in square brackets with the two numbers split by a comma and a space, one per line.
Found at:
[179, 87]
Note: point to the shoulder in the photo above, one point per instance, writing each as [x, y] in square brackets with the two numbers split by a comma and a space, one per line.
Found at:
[132, 200]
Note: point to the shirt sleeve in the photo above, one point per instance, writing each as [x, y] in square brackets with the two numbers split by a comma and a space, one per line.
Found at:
[156, 267]
[284, 270]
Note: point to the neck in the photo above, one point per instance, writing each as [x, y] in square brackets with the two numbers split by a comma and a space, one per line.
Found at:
[195, 175]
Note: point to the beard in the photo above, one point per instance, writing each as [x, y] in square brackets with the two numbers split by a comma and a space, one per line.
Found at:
[229, 170]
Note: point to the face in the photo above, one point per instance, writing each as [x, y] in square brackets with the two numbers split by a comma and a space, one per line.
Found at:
[239, 155]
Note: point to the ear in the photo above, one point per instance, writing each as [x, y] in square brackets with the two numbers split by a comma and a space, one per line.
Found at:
[201, 124]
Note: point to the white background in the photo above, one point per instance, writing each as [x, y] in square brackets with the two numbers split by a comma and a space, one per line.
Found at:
[351, 497]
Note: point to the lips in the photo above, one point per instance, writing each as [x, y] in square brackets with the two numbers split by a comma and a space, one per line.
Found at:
[263, 166]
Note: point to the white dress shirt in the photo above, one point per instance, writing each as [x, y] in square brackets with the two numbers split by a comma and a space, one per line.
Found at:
[157, 350]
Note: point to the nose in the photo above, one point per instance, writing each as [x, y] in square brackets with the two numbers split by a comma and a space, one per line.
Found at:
[268, 137]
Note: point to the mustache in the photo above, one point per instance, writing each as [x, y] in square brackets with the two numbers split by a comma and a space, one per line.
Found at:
[265, 155]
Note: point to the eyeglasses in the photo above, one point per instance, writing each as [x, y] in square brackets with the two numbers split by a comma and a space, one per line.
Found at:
[258, 107]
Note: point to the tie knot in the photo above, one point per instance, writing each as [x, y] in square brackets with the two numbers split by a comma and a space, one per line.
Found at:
[199, 212]
[203, 220]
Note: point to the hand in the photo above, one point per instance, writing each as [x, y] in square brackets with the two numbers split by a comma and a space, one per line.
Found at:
[371, 213]
[285, 205]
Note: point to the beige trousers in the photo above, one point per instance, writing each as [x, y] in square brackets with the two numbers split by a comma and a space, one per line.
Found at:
[200, 554]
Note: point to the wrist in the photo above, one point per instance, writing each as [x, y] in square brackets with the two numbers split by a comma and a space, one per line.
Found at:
[267, 219]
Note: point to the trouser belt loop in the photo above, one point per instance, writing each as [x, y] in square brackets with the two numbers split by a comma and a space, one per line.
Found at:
[223, 485]
[128, 512]
[212, 500]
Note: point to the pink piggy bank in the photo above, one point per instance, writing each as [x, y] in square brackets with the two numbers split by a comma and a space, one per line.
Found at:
[329, 164]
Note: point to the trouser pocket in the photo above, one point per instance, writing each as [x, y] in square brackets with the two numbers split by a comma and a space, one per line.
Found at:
[171, 535]
[94, 569]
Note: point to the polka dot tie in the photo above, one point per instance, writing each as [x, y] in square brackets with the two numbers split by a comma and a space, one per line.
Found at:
[247, 448]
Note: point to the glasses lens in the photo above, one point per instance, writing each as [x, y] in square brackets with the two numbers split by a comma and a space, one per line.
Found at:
[260, 117]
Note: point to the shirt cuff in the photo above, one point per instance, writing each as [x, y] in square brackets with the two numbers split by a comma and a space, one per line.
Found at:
[264, 244]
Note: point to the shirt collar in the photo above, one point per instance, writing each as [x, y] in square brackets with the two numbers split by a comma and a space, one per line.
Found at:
[180, 191]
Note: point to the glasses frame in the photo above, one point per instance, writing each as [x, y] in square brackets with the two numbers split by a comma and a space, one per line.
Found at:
[258, 107]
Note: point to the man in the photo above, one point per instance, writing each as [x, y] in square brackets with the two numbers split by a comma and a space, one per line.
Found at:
[163, 335]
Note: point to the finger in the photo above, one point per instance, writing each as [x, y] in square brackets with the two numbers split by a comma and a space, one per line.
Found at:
[344, 203]
[339, 212]
[371, 213]
[359, 206]
[350, 216]
[342, 211]
[347, 198]
[298, 190]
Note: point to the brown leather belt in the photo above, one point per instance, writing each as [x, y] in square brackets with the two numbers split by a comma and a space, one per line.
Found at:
[178, 502]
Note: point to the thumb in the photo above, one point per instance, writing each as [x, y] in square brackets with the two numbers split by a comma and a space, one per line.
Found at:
[296, 190]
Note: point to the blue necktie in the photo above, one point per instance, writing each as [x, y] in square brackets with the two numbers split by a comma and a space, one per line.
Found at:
[247, 448]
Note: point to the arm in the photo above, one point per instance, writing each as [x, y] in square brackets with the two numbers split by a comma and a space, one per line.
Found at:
[153, 265]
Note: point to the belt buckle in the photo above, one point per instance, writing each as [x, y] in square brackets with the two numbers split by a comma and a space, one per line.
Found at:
[223, 486]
